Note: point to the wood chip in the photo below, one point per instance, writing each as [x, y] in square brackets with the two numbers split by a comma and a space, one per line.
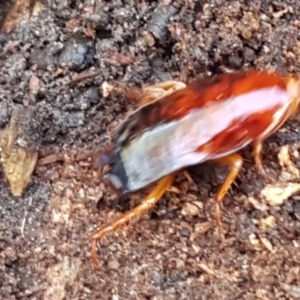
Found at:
[106, 89]
[34, 84]
[49, 159]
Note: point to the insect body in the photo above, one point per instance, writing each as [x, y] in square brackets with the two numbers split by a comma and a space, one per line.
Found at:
[209, 119]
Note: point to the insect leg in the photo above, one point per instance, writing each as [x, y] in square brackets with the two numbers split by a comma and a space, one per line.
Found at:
[258, 163]
[148, 203]
[235, 162]
[159, 90]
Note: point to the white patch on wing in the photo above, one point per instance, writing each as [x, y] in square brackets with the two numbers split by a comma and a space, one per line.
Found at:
[171, 146]
[277, 120]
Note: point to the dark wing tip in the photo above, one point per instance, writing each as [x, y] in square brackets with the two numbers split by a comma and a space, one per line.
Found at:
[102, 158]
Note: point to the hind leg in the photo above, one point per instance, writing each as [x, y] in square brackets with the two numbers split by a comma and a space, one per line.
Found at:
[235, 162]
[148, 203]
[257, 151]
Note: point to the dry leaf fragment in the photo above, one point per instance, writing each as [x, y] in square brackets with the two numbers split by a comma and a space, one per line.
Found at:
[37, 6]
[49, 159]
[290, 171]
[191, 209]
[266, 223]
[90, 31]
[19, 149]
[266, 243]
[210, 270]
[281, 13]
[202, 228]
[262, 294]
[292, 290]
[34, 84]
[277, 194]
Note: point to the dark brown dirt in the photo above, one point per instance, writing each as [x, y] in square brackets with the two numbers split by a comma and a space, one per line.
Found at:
[57, 63]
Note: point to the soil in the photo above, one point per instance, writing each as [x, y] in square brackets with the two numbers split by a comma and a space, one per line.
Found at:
[78, 64]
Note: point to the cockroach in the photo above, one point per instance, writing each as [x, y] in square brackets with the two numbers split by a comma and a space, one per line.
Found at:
[180, 125]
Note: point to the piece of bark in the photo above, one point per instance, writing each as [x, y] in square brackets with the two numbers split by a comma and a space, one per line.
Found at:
[22, 10]
[19, 143]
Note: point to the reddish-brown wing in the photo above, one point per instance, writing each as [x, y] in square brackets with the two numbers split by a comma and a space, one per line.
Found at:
[197, 94]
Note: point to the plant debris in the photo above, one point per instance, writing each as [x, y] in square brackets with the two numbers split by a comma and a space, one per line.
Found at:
[21, 10]
[19, 144]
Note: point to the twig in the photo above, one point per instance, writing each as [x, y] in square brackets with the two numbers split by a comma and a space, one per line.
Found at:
[25, 217]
